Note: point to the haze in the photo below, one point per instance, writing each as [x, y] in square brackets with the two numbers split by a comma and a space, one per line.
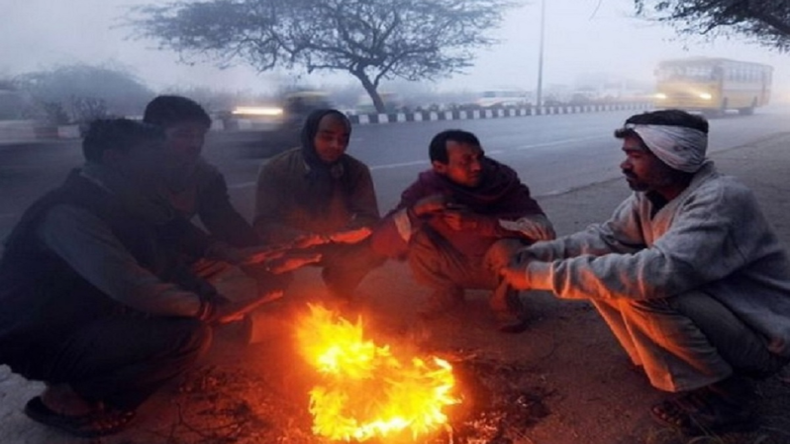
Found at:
[582, 37]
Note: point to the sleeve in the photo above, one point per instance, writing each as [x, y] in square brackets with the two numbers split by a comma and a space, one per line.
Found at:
[219, 216]
[535, 227]
[88, 245]
[516, 214]
[363, 201]
[699, 247]
[392, 234]
[269, 192]
[620, 234]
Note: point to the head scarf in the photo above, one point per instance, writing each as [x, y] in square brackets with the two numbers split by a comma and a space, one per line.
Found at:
[322, 175]
[679, 147]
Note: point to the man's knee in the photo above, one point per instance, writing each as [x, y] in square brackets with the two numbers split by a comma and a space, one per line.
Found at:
[195, 337]
[421, 243]
[423, 251]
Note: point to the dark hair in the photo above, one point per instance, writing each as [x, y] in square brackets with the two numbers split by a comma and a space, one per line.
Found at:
[120, 134]
[670, 117]
[170, 110]
[437, 150]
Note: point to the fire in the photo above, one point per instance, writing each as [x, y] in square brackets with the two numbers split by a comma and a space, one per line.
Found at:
[369, 390]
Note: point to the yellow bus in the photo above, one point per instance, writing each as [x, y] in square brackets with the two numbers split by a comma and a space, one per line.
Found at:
[712, 85]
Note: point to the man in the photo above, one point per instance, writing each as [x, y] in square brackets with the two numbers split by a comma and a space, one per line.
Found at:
[687, 273]
[199, 189]
[317, 196]
[458, 223]
[95, 301]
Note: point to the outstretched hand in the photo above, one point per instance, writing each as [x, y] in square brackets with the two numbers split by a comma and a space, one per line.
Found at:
[292, 261]
[351, 236]
[227, 312]
[309, 240]
[256, 255]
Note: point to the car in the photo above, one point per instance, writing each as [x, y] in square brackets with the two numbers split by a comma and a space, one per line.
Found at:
[282, 129]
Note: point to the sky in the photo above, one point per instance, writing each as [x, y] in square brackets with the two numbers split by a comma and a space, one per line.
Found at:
[581, 37]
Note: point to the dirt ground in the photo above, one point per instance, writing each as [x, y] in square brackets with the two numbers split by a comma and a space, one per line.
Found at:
[563, 381]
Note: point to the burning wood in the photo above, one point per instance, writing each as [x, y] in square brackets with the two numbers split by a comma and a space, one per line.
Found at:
[370, 391]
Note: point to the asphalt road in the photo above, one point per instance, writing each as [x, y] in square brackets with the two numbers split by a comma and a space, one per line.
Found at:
[552, 154]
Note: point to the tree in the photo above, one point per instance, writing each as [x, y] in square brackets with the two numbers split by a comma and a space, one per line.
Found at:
[82, 92]
[767, 22]
[372, 40]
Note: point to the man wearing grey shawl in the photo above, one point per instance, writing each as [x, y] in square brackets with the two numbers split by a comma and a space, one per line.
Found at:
[687, 273]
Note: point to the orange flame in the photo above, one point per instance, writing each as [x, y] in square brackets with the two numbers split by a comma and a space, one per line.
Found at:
[368, 390]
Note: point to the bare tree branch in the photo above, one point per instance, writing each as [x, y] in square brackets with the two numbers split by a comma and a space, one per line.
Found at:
[371, 40]
[765, 22]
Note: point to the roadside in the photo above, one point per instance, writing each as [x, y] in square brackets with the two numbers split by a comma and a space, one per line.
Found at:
[574, 383]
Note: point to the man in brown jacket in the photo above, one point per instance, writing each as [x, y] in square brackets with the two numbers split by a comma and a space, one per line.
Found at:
[316, 196]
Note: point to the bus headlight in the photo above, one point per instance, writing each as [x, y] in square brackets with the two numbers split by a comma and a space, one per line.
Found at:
[660, 96]
[705, 96]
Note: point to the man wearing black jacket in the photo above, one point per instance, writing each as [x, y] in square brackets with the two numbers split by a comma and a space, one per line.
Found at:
[97, 302]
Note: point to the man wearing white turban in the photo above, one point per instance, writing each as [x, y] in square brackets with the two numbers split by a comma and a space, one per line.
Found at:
[687, 273]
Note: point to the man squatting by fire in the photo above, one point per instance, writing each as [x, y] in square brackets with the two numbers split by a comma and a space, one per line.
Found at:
[201, 192]
[318, 197]
[97, 300]
[687, 273]
[459, 223]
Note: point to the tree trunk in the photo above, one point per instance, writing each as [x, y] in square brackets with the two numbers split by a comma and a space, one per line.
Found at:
[372, 91]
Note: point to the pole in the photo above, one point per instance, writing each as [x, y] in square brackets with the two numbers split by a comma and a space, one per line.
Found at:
[539, 95]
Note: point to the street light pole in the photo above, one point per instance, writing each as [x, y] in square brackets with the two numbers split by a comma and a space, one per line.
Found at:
[539, 95]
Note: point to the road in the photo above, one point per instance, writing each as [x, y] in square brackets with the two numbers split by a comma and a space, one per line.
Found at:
[552, 154]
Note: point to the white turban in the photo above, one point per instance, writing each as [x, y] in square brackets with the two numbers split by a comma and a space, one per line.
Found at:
[679, 147]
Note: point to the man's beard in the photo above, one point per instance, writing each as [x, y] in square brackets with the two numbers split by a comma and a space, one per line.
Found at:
[634, 183]
[638, 184]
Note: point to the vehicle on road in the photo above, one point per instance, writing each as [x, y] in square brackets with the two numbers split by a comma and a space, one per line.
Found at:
[712, 85]
[278, 128]
[502, 98]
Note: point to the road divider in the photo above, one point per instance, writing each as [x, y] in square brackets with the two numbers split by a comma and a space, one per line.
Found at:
[473, 114]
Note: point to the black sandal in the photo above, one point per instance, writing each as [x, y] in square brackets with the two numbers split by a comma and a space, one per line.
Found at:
[99, 423]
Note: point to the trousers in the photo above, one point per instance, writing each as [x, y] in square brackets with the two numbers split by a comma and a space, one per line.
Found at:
[437, 264]
[687, 341]
[119, 360]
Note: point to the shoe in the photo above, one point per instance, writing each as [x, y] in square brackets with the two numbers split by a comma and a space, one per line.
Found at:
[720, 407]
[441, 302]
[91, 425]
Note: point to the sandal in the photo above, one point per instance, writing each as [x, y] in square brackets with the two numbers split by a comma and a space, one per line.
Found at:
[99, 423]
[701, 412]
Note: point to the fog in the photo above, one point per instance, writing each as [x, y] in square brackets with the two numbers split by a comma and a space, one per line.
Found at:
[582, 37]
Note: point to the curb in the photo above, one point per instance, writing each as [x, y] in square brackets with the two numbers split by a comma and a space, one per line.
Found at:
[429, 116]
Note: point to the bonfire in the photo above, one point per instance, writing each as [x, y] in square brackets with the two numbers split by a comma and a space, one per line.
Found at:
[367, 390]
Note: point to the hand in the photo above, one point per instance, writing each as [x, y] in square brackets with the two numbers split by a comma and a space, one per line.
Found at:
[225, 313]
[309, 240]
[460, 220]
[515, 274]
[351, 236]
[256, 255]
[292, 261]
[430, 204]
